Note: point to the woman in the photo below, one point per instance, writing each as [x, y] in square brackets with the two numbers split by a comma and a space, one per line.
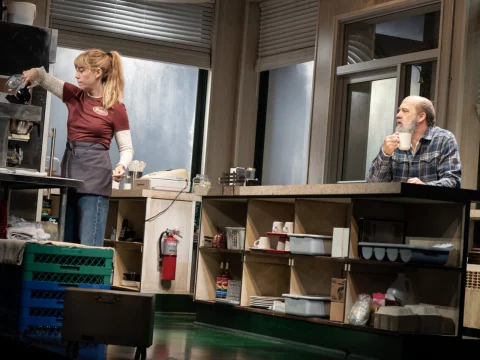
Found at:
[95, 115]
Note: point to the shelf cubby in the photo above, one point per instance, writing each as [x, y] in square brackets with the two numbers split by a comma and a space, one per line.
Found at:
[424, 224]
[134, 211]
[209, 267]
[320, 217]
[313, 275]
[261, 216]
[218, 214]
[264, 276]
[425, 288]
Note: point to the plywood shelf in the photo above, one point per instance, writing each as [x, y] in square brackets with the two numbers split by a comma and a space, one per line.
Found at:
[129, 245]
[128, 288]
[219, 250]
[270, 274]
[261, 253]
[402, 265]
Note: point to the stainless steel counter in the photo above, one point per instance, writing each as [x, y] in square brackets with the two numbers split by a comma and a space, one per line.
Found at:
[20, 182]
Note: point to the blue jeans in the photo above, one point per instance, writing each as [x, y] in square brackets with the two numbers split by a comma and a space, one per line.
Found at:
[86, 219]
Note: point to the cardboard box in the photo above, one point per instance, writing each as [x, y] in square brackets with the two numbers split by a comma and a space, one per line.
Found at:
[397, 319]
[337, 298]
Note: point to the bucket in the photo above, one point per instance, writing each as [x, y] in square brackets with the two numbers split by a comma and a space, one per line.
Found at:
[21, 13]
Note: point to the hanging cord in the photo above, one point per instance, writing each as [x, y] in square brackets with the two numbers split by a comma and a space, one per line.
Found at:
[168, 207]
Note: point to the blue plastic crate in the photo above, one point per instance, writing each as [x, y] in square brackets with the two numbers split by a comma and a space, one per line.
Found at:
[40, 331]
[85, 351]
[41, 316]
[44, 294]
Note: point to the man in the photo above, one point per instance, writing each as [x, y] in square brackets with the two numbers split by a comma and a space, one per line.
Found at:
[433, 158]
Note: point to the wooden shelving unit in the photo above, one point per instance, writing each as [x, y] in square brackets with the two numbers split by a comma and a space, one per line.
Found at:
[429, 217]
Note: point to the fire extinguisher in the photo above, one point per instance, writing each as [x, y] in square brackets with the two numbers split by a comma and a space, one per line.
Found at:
[168, 254]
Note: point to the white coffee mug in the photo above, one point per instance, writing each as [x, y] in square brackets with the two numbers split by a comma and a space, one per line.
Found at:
[262, 243]
[405, 140]
[287, 245]
[288, 228]
[281, 244]
[277, 227]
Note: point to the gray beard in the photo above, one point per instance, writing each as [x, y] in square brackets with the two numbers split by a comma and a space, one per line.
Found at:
[409, 128]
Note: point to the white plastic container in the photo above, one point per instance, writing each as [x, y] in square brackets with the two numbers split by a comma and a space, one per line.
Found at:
[311, 306]
[310, 244]
[21, 12]
[235, 238]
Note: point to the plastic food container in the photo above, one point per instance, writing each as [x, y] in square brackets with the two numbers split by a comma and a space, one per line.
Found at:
[311, 306]
[307, 244]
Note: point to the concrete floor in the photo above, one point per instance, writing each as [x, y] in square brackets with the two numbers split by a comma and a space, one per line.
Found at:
[177, 338]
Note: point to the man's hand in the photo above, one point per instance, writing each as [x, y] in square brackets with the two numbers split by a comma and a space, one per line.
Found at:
[415, 181]
[119, 173]
[390, 143]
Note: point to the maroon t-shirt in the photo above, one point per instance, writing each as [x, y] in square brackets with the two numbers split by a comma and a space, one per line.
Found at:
[88, 120]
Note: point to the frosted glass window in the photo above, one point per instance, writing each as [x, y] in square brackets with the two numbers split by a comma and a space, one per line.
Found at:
[287, 129]
[161, 101]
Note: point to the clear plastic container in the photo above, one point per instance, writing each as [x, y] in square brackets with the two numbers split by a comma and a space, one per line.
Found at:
[201, 181]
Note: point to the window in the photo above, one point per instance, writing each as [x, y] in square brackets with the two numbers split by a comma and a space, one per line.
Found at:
[382, 37]
[283, 127]
[370, 117]
[384, 60]
[161, 101]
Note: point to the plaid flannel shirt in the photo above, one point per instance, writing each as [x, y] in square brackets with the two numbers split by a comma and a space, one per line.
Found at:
[436, 161]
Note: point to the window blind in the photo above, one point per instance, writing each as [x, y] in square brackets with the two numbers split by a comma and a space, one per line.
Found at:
[178, 33]
[288, 30]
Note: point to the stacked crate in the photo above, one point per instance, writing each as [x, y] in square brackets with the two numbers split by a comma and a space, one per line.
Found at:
[46, 272]
[471, 317]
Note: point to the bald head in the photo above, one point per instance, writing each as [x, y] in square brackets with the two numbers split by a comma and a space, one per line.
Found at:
[424, 105]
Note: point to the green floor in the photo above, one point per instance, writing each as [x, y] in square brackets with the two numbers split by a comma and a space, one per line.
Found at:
[177, 338]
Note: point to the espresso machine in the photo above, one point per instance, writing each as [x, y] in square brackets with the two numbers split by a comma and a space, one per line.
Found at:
[24, 112]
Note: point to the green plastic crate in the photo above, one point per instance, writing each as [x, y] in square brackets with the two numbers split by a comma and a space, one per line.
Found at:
[47, 258]
[65, 250]
[69, 269]
[67, 278]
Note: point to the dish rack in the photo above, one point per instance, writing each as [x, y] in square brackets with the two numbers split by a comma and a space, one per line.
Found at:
[405, 253]
[235, 238]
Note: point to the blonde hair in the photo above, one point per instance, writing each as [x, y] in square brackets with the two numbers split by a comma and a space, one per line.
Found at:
[112, 73]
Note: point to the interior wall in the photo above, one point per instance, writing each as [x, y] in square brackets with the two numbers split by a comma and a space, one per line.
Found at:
[222, 97]
[464, 83]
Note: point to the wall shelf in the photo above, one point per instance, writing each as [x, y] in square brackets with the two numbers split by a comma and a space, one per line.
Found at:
[219, 250]
[270, 274]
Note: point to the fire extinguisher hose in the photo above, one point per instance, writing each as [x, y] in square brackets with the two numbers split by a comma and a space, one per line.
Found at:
[160, 254]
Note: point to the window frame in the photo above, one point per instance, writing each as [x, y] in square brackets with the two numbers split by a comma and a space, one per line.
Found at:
[343, 75]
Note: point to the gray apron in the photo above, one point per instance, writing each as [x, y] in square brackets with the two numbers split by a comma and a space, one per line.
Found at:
[90, 162]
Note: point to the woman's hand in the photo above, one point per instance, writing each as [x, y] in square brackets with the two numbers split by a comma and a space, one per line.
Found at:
[29, 76]
[119, 173]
